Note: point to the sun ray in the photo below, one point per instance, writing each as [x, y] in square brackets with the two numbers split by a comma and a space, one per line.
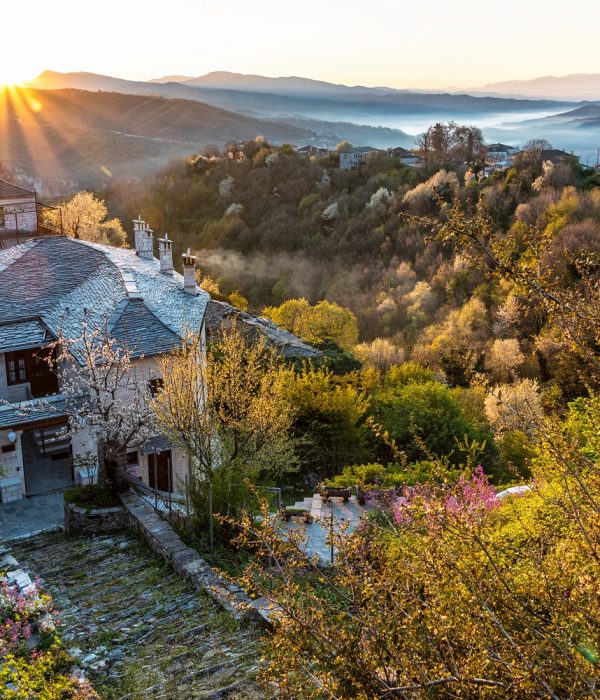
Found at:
[22, 112]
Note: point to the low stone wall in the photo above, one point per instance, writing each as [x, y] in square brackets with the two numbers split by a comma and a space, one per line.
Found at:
[98, 521]
[163, 539]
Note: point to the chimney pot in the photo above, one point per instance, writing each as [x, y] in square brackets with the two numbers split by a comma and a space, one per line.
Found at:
[189, 272]
[165, 253]
[144, 242]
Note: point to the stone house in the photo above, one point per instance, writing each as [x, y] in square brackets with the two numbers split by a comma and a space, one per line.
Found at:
[22, 215]
[49, 287]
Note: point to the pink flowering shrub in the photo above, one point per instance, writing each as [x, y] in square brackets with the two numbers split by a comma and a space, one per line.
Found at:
[468, 502]
[22, 613]
[33, 662]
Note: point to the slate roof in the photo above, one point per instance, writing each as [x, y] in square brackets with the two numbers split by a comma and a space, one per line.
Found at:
[359, 149]
[23, 334]
[220, 313]
[136, 322]
[7, 189]
[65, 282]
[30, 412]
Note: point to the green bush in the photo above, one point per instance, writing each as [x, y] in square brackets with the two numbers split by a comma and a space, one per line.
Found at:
[90, 497]
[393, 475]
[427, 421]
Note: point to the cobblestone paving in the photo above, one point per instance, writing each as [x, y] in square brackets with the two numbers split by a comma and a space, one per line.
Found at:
[136, 628]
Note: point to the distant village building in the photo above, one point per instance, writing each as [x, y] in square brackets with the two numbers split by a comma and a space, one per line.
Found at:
[500, 151]
[405, 156]
[21, 215]
[355, 157]
[316, 152]
[498, 158]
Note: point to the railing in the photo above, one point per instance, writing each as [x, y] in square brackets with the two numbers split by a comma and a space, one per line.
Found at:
[164, 501]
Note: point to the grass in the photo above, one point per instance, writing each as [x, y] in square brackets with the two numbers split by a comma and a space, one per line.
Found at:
[91, 497]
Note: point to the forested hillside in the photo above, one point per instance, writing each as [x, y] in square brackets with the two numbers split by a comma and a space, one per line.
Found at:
[277, 226]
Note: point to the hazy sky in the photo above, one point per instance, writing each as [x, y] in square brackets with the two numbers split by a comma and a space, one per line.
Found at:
[426, 43]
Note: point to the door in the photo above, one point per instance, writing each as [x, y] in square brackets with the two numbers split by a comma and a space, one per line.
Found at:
[159, 471]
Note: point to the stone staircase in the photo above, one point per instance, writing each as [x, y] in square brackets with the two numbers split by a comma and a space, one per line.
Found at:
[136, 628]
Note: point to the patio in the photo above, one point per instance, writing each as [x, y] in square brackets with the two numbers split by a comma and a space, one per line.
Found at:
[334, 514]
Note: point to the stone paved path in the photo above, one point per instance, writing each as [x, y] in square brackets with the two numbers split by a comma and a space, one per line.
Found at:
[31, 515]
[138, 629]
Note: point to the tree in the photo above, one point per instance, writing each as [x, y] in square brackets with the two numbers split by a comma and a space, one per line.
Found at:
[451, 143]
[343, 146]
[512, 407]
[426, 420]
[505, 358]
[329, 421]
[380, 353]
[532, 154]
[228, 410]
[522, 258]
[84, 216]
[107, 398]
[323, 323]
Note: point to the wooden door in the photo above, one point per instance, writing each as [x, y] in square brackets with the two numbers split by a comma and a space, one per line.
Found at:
[159, 471]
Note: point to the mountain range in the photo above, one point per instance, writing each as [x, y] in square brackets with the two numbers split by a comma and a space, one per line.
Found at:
[575, 87]
[64, 139]
[300, 97]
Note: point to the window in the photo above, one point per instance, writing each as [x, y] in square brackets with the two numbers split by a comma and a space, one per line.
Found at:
[132, 458]
[2, 221]
[9, 448]
[16, 368]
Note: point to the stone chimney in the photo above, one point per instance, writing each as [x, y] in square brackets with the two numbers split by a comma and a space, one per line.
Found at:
[144, 242]
[189, 273]
[165, 253]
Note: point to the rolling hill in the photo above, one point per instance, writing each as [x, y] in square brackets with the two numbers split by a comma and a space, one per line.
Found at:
[72, 138]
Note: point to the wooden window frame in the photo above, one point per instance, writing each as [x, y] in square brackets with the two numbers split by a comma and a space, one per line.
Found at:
[16, 365]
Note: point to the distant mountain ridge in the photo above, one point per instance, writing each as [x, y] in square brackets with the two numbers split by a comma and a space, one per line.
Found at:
[293, 96]
[577, 87]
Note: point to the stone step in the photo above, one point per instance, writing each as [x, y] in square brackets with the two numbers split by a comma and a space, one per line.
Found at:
[137, 629]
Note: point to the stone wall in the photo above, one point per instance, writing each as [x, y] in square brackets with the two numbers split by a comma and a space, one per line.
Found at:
[98, 521]
[163, 540]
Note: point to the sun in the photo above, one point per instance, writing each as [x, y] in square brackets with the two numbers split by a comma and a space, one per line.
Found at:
[9, 77]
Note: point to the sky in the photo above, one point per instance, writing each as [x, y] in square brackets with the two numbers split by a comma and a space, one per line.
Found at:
[422, 44]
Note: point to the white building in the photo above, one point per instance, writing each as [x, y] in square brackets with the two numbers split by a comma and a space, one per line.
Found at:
[48, 287]
[355, 157]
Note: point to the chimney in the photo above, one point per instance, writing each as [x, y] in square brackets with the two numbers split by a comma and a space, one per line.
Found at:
[165, 253]
[144, 244]
[189, 272]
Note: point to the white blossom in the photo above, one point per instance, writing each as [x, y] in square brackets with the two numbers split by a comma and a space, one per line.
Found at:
[331, 212]
[234, 209]
[226, 186]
